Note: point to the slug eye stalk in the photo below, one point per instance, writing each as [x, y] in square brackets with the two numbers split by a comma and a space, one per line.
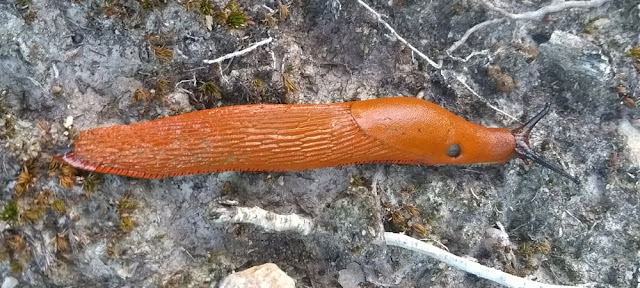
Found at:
[523, 149]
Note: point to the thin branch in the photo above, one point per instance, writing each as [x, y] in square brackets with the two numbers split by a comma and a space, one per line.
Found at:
[537, 15]
[540, 13]
[470, 31]
[268, 9]
[491, 274]
[269, 221]
[485, 100]
[240, 52]
[414, 49]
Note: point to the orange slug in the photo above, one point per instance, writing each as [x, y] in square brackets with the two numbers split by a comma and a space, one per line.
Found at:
[281, 137]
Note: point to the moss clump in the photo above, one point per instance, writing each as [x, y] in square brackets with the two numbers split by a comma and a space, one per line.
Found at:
[420, 229]
[34, 213]
[288, 84]
[162, 53]
[10, 212]
[141, 95]
[58, 206]
[146, 4]
[67, 176]
[258, 85]
[127, 224]
[162, 86]
[126, 205]
[413, 210]
[634, 52]
[29, 17]
[237, 20]
[90, 183]
[270, 20]
[9, 126]
[232, 16]
[210, 90]
[526, 251]
[358, 180]
[23, 182]
[283, 11]
[205, 8]
[15, 267]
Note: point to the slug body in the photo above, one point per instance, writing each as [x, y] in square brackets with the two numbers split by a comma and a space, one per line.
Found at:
[280, 137]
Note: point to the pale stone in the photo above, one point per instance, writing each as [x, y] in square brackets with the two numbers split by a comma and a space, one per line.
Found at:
[263, 276]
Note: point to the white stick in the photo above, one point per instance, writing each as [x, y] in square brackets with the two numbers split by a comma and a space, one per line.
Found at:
[491, 274]
[470, 31]
[238, 53]
[459, 78]
[533, 15]
[269, 221]
[540, 13]
[379, 18]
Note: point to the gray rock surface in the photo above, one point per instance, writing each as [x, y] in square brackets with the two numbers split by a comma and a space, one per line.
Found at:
[87, 59]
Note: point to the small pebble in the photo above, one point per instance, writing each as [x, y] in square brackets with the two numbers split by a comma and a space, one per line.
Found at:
[496, 240]
[9, 282]
[263, 276]
[68, 122]
[56, 90]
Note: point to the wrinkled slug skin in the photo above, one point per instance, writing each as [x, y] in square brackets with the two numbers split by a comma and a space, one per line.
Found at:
[284, 137]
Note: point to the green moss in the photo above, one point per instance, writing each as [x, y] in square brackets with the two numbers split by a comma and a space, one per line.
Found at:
[634, 52]
[10, 212]
[237, 20]
[126, 205]
[232, 16]
[357, 180]
[126, 224]
[146, 4]
[59, 206]
[15, 267]
[526, 251]
[210, 90]
[205, 8]
[90, 183]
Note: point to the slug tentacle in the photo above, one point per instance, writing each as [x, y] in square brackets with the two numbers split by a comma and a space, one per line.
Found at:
[523, 149]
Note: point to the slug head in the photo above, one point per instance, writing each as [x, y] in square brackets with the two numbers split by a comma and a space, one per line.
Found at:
[523, 150]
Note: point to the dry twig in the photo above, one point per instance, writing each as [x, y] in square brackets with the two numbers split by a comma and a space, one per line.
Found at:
[414, 49]
[495, 275]
[537, 15]
[240, 52]
[269, 221]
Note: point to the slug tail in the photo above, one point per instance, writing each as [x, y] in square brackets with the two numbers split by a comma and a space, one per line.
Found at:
[82, 164]
[76, 162]
[523, 149]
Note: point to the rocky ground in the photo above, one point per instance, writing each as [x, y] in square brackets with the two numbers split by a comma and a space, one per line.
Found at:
[78, 64]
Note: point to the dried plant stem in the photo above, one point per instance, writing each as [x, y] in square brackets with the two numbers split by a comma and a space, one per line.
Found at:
[240, 52]
[269, 221]
[491, 274]
[405, 42]
[537, 15]
[540, 13]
